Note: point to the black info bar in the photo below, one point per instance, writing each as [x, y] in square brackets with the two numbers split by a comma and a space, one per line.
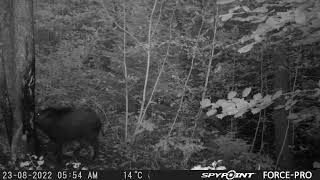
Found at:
[155, 175]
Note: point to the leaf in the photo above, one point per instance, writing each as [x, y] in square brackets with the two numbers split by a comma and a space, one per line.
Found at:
[292, 116]
[141, 130]
[40, 163]
[246, 92]
[226, 17]
[24, 164]
[232, 94]
[241, 104]
[180, 94]
[214, 105]
[147, 125]
[211, 21]
[199, 167]
[257, 38]
[277, 95]
[218, 68]
[300, 17]
[262, 30]
[252, 19]
[246, 48]
[190, 8]
[246, 8]
[240, 113]
[289, 104]
[255, 110]
[297, 91]
[205, 103]
[279, 107]
[252, 103]
[221, 102]
[211, 112]
[232, 10]
[245, 39]
[296, 121]
[267, 100]
[280, 19]
[221, 2]
[257, 97]
[316, 94]
[237, 100]
[221, 168]
[262, 9]
[229, 109]
[220, 116]
[24, 137]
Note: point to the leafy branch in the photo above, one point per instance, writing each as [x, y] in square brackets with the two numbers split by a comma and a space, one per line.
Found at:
[237, 106]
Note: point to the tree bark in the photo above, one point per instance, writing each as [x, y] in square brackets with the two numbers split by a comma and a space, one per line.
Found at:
[283, 133]
[19, 71]
[6, 66]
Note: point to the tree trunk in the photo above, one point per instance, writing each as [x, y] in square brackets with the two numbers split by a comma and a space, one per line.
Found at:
[283, 133]
[7, 67]
[18, 69]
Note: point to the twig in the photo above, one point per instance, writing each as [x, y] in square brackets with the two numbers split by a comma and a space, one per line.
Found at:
[147, 70]
[161, 69]
[293, 89]
[187, 80]
[208, 70]
[256, 132]
[114, 21]
[288, 124]
[212, 55]
[125, 70]
[263, 130]
[159, 17]
[261, 89]
[283, 143]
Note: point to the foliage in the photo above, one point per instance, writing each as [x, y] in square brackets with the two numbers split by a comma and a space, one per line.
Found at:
[32, 162]
[249, 161]
[75, 166]
[186, 146]
[231, 147]
[238, 106]
[236, 154]
[214, 166]
[297, 15]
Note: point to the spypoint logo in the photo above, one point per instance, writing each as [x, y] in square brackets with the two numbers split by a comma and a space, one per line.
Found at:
[232, 174]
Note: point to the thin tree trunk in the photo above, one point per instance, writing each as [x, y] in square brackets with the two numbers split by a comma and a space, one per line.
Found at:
[283, 130]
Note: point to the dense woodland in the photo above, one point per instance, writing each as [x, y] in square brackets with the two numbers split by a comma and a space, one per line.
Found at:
[178, 84]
